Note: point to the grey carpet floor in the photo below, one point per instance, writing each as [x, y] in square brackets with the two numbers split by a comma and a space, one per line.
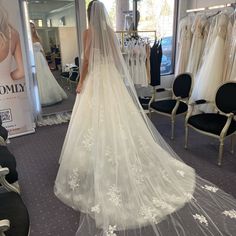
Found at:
[37, 158]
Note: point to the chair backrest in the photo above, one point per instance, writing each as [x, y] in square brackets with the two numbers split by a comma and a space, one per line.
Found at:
[73, 76]
[182, 85]
[226, 97]
[77, 61]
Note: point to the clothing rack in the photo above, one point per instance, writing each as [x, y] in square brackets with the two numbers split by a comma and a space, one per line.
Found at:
[123, 32]
[233, 5]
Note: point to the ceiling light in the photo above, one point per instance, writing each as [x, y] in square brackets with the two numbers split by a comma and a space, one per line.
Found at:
[196, 9]
[216, 7]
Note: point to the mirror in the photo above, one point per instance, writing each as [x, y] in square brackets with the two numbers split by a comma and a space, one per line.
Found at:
[54, 36]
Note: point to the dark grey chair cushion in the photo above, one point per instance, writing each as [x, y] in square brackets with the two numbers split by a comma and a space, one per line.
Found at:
[211, 123]
[167, 106]
[13, 208]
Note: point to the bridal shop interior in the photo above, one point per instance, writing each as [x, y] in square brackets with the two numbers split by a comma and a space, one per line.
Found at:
[181, 58]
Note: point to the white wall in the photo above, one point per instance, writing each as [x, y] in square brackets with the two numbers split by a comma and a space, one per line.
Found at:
[207, 3]
[69, 15]
[68, 45]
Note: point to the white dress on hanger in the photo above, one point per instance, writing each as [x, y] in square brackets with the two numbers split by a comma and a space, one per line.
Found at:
[184, 45]
[50, 91]
[210, 75]
[196, 46]
[230, 56]
[143, 68]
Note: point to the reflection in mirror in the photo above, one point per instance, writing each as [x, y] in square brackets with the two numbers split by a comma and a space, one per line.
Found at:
[54, 36]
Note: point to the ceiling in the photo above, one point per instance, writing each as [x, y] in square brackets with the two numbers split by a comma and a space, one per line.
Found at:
[44, 7]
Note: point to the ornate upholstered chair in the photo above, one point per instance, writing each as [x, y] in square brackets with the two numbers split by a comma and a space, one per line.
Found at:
[178, 104]
[7, 159]
[14, 217]
[219, 125]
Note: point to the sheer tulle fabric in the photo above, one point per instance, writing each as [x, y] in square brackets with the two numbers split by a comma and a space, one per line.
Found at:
[115, 167]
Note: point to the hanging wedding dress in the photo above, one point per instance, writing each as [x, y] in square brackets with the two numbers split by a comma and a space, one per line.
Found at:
[184, 44]
[210, 74]
[230, 60]
[50, 91]
[197, 44]
[116, 169]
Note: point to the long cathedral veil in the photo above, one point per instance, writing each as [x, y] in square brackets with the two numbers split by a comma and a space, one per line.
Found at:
[136, 186]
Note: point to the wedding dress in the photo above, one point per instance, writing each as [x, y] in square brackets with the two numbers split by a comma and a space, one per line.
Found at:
[116, 169]
[230, 58]
[184, 45]
[50, 91]
[210, 75]
[197, 44]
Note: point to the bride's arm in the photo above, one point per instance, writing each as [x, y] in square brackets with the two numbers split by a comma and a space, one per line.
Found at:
[84, 71]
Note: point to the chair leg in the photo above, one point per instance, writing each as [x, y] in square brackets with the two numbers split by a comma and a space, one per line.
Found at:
[172, 128]
[232, 144]
[221, 148]
[150, 114]
[186, 137]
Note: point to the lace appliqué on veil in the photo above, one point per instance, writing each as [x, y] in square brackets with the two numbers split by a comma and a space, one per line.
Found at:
[202, 219]
[96, 209]
[88, 140]
[149, 214]
[74, 181]
[162, 205]
[114, 195]
[210, 188]
[231, 214]
[110, 231]
[137, 174]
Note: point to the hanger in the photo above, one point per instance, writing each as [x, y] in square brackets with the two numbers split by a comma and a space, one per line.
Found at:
[218, 12]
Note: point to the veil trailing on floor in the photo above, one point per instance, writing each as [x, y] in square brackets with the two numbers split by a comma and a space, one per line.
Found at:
[116, 169]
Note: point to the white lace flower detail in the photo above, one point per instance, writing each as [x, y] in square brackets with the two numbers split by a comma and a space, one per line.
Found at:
[110, 231]
[101, 114]
[202, 219]
[149, 214]
[173, 198]
[114, 195]
[88, 140]
[210, 188]
[165, 176]
[74, 181]
[231, 214]
[142, 144]
[96, 209]
[189, 197]
[162, 205]
[181, 173]
[137, 174]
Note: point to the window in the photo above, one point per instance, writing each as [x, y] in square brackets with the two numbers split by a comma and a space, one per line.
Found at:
[160, 16]
[38, 22]
[111, 9]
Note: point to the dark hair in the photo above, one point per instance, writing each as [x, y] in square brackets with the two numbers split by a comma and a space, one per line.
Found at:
[90, 8]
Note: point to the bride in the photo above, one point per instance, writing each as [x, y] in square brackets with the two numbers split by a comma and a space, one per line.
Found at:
[116, 169]
[49, 90]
